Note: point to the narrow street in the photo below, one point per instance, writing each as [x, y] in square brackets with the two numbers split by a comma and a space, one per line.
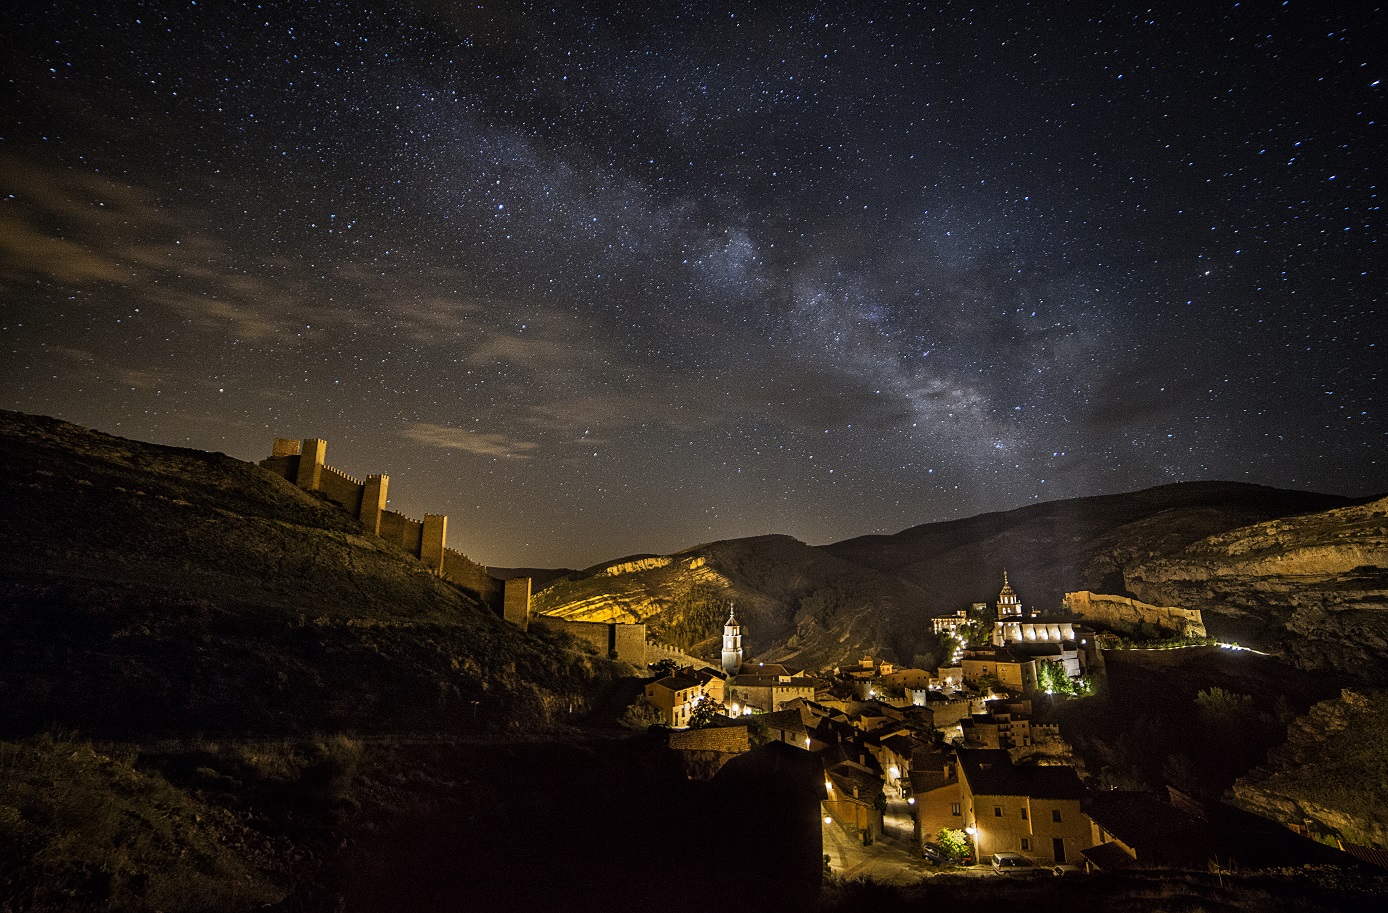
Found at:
[890, 859]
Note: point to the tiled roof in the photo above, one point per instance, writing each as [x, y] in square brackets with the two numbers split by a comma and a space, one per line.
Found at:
[1371, 855]
[787, 720]
[990, 772]
[731, 739]
[1138, 819]
[923, 781]
[679, 681]
[1109, 856]
[846, 775]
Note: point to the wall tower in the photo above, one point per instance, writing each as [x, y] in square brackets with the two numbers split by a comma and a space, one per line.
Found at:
[732, 644]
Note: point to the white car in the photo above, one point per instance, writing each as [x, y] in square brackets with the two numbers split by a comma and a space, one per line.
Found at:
[1015, 864]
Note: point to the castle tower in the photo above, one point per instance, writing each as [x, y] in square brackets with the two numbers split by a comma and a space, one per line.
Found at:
[515, 602]
[312, 452]
[431, 541]
[1008, 601]
[373, 502]
[732, 644]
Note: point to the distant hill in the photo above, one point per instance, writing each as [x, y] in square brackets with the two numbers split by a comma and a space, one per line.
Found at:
[797, 603]
[148, 589]
[828, 604]
[1059, 546]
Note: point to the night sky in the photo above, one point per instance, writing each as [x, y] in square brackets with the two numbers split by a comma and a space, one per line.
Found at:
[597, 279]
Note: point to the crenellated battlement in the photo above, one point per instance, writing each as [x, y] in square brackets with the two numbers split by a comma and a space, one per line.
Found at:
[303, 463]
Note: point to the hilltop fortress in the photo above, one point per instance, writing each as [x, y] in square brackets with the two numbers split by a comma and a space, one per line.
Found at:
[304, 463]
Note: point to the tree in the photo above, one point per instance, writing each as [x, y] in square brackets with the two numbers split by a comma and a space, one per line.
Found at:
[955, 843]
[973, 633]
[663, 668]
[1051, 678]
[1220, 707]
[705, 713]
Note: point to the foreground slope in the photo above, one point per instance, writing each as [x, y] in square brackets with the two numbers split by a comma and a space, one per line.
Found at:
[148, 589]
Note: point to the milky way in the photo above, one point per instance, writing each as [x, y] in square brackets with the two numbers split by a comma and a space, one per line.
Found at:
[601, 279]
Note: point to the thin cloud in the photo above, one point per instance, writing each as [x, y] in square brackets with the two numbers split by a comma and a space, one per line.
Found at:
[481, 443]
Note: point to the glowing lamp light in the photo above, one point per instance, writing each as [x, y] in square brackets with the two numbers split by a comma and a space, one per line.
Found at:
[828, 820]
[911, 801]
[971, 830]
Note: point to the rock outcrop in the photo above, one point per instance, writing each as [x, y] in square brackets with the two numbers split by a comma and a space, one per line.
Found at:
[1313, 587]
[1332, 771]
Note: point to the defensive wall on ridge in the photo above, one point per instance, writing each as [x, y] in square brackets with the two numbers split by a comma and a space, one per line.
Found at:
[304, 464]
[626, 642]
[1124, 614]
[656, 652]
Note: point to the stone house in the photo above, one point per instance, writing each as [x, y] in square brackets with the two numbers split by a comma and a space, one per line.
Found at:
[1035, 811]
[767, 690]
[676, 695]
[703, 752]
[1014, 672]
[938, 802]
[854, 799]
[1006, 724]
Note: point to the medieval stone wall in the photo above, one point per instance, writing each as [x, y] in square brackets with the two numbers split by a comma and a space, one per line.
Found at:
[627, 642]
[1123, 614]
[303, 463]
[473, 579]
[400, 530]
[342, 488]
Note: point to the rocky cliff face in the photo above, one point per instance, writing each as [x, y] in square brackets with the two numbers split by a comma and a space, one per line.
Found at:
[1312, 587]
[797, 603]
[1332, 771]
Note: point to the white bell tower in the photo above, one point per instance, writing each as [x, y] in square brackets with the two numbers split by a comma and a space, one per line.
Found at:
[732, 644]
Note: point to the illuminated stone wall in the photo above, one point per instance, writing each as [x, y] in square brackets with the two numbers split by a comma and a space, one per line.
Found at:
[627, 641]
[516, 602]
[303, 463]
[1124, 614]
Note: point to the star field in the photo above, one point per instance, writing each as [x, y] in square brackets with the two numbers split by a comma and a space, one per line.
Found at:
[602, 278]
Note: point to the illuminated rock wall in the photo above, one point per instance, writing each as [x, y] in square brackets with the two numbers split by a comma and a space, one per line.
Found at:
[1124, 614]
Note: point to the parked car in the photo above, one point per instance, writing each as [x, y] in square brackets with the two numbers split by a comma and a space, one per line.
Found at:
[1065, 869]
[936, 854]
[1015, 864]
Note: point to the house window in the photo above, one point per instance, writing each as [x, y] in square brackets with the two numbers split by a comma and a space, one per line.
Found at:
[1024, 813]
[1055, 815]
[997, 811]
[1026, 845]
[954, 809]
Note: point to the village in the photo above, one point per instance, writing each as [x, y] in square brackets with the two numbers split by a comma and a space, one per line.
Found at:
[958, 768]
